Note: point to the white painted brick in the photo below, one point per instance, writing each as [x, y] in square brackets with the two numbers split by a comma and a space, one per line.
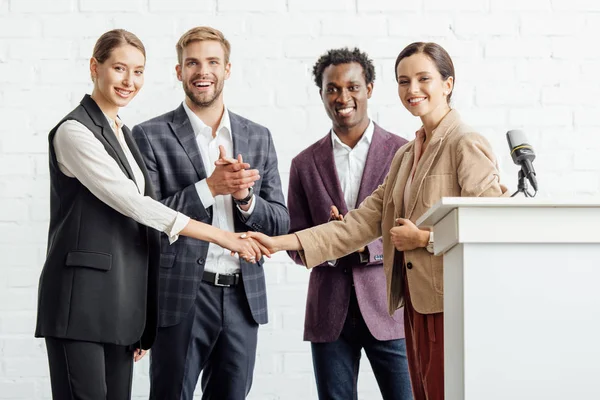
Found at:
[229, 24]
[11, 71]
[513, 96]
[19, 27]
[386, 6]
[150, 25]
[485, 116]
[23, 232]
[550, 71]
[520, 5]
[57, 72]
[24, 144]
[320, 6]
[22, 347]
[34, 367]
[522, 48]
[463, 5]
[24, 277]
[17, 322]
[354, 25]
[62, 26]
[563, 94]
[568, 49]
[546, 117]
[17, 187]
[586, 160]
[586, 117]
[296, 363]
[18, 299]
[35, 49]
[403, 24]
[476, 25]
[21, 165]
[16, 389]
[181, 6]
[111, 5]
[37, 6]
[575, 5]
[548, 24]
[13, 210]
[261, 6]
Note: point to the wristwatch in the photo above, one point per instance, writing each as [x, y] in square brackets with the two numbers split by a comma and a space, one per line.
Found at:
[430, 243]
[245, 200]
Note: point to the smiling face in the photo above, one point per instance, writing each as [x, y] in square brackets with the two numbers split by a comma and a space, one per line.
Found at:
[345, 94]
[203, 71]
[118, 79]
[421, 87]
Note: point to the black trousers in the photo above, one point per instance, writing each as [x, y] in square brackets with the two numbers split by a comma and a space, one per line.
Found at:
[89, 371]
[218, 337]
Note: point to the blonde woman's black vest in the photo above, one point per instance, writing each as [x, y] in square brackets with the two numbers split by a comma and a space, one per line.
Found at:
[99, 281]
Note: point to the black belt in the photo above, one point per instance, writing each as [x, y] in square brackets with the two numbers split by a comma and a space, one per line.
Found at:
[217, 279]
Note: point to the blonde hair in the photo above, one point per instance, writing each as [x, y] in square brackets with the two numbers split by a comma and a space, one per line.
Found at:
[201, 33]
[113, 39]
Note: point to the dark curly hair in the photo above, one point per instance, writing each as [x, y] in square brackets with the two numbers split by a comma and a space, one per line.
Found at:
[343, 56]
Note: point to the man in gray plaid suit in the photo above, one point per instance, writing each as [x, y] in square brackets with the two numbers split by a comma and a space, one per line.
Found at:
[210, 302]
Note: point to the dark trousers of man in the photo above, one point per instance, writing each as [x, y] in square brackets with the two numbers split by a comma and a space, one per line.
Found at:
[217, 337]
[425, 347]
[336, 363]
[89, 371]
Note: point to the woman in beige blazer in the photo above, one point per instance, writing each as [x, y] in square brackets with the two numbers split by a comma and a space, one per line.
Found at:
[447, 158]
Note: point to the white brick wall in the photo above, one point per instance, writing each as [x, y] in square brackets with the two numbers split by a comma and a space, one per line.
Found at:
[530, 64]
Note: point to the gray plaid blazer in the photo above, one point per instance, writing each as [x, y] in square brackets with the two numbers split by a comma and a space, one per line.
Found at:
[170, 151]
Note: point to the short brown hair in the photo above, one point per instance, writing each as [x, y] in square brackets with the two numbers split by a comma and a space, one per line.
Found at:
[113, 39]
[201, 33]
[436, 53]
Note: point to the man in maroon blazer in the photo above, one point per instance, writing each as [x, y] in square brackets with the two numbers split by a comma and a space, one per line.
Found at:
[346, 308]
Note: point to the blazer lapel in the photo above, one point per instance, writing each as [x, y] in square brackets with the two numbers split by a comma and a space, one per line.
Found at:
[372, 174]
[182, 128]
[239, 136]
[107, 133]
[325, 163]
[428, 157]
[401, 179]
[148, 188]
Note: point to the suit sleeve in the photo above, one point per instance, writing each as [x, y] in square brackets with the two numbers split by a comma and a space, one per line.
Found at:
[335, 239]
[270, 215]
[186, 200]
[477, 169]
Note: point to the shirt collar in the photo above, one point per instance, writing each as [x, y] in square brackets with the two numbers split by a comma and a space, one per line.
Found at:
[115, 124]
[366, 137]
[200, 127]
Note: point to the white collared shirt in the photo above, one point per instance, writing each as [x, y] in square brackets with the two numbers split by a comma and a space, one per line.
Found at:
[218, 259]
[82, 156]
[350, 163]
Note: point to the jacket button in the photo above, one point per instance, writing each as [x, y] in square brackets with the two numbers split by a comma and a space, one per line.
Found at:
[201, 261]
[409, 265]
[345, 270]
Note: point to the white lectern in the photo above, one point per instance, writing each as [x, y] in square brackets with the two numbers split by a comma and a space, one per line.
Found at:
[521, 297]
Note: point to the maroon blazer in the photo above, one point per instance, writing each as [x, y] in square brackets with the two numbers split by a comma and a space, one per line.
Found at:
[313, 188]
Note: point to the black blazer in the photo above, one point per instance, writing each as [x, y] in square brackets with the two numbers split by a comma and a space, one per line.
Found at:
[99, 281]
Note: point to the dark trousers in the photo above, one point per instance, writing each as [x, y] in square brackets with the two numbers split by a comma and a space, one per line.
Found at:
[336, 363]
[425, 343]
[217, 337]
[89, 371]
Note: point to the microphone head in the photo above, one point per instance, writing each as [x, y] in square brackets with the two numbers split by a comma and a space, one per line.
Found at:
[515, 137]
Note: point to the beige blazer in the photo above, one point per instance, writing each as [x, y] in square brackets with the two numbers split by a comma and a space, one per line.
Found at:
[457, 162]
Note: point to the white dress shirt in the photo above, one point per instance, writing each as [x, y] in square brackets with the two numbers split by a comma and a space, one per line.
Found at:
[218, 259]
[82, 156]
[350, 163]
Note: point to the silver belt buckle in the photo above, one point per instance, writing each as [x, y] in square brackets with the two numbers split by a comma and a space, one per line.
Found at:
[216, 282]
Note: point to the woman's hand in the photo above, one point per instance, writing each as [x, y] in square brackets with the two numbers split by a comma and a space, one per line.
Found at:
[248, 249]
[406, 236]
[270, 243]
[138, 354]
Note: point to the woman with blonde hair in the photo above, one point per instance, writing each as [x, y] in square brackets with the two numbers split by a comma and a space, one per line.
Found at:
[447, 158]
[97, 302]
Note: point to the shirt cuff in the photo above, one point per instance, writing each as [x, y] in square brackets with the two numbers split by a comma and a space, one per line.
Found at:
[204, 193]
[180, 222]
[248, 213]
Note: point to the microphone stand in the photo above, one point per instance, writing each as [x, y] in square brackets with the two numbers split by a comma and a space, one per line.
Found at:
[523, 187]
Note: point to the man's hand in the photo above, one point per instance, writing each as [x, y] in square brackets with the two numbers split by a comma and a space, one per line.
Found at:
[138, 354]
[231, 176]
[406, 236]
[335, 215]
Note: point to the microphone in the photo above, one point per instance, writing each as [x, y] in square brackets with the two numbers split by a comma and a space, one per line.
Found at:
[522, 154]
